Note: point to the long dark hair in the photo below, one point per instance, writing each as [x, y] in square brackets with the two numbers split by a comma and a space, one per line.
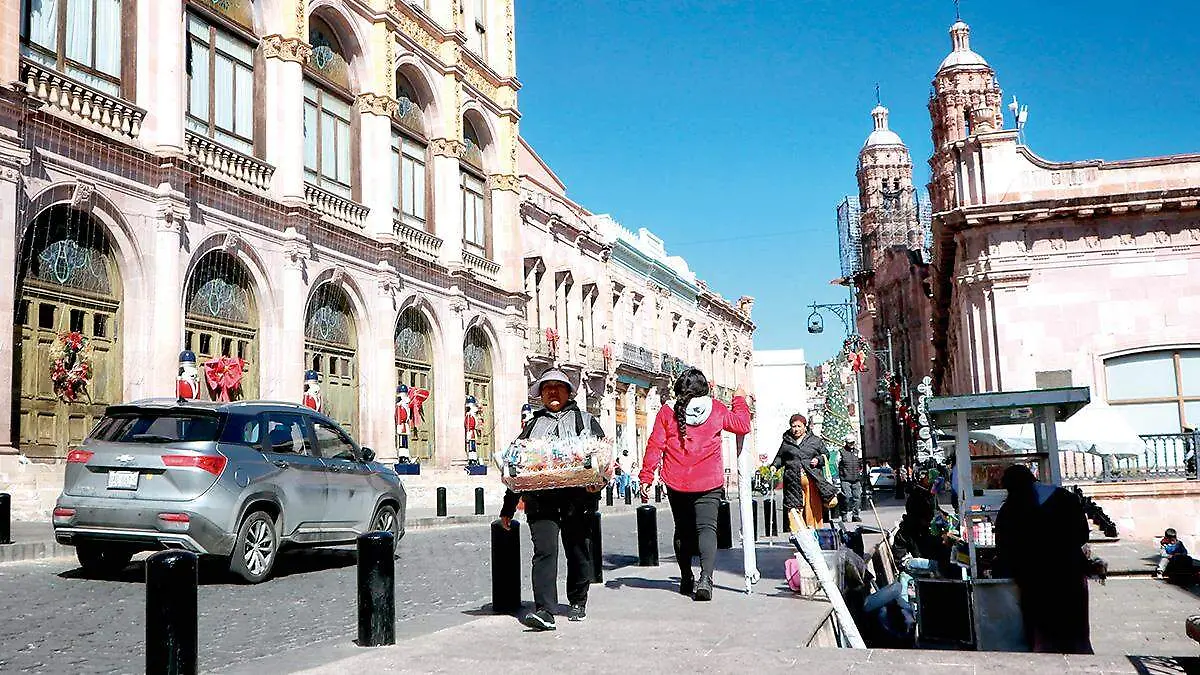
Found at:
[691, 384]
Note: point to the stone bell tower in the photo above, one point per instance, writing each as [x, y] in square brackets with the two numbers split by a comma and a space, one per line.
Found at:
[965, 101]
[885, 192]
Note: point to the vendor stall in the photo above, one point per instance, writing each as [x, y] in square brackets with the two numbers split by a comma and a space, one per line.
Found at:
[981, 459]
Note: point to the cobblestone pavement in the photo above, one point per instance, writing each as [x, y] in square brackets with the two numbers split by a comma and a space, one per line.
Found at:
[56, 621]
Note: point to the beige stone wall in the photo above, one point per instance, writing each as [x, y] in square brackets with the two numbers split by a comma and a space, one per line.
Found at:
[1142, 511]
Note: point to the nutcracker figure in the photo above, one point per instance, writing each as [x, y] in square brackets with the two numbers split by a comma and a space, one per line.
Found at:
[187, 383]
[403, 416]
[312, 390]
[526, 414]
[472, 423]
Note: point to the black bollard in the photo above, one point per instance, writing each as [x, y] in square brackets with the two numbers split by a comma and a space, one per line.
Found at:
[754, 513]
[724, 526]
[172, 635]
[506, 567]
[5, 518]
[629, 494]
[376, 589]
[479, 501]
[441, 501]
[647, 531]
[608, 495]
[658, 492]
[768, 511]
[597, 542]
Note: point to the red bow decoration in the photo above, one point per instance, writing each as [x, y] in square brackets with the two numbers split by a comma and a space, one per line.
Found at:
[224, 376]
[607, 351]
[552, 340]
[417, 398]
[858, 362]
[894, 389]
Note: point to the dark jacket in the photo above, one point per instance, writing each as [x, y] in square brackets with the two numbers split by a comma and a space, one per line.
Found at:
[849, 466]
[570, 421]
[795, 456]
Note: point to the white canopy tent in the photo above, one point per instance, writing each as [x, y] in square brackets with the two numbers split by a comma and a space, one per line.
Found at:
[1095, 430]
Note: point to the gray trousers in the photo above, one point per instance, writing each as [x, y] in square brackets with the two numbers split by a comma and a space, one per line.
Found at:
[851, 501]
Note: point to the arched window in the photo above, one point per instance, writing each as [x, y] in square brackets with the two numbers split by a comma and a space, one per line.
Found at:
[327, 112]
[220, 69]
[415, 370]
[81, 38]
[331, 349]
[1157, 392]
[409, 167]
[475, 237]
[220, 319]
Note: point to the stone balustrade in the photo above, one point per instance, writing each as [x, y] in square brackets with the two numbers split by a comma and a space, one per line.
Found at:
[420, 242]
[79, 101]
[480, 265]
[228, 163]
[335, 207]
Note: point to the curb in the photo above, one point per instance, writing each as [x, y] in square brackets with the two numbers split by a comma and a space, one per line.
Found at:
[39, 550]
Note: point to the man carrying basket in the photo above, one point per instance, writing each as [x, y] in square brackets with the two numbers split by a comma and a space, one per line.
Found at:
[559, 511]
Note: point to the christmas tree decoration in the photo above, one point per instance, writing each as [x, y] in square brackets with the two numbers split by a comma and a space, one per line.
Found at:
[836, 414]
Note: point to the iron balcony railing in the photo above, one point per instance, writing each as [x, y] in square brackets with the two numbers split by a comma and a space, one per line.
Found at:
[1165, 456]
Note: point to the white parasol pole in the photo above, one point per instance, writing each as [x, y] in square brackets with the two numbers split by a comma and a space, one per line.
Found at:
[746, 504]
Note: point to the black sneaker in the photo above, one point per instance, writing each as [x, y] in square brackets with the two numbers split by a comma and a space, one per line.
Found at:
[539, 620]
[703, 590]
[577, 613]
[687, 585]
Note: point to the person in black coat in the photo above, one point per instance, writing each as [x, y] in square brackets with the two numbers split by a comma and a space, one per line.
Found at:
[1040, 534]
[802, 453]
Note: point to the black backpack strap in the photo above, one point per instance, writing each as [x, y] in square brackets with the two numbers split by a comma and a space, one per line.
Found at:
[578, 422]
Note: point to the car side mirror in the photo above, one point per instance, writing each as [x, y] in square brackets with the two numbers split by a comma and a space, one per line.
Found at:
[368, 455]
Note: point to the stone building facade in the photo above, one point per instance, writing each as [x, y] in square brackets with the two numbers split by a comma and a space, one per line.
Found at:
[293, 185]
[1079, 273]
[619, 315]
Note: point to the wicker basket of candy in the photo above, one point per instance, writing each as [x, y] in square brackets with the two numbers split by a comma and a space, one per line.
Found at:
[547, 463]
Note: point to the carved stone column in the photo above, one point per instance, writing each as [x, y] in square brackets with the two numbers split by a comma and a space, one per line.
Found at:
[287, 380]
[447, 196]
[162, 76]
[377, 192]
[506, 234]
[170, 226]
[11, 159]
[285, 132]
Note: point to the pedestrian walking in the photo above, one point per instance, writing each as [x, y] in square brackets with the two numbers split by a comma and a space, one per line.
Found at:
[850, 471]
[685, 448]
[802, 457]
[559, 512]
[1040, 533]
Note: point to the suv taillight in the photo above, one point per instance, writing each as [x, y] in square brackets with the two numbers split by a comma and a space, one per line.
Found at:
[78, 456]
[213, 464]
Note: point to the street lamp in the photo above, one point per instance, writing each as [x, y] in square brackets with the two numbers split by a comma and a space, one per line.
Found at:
[842, 310]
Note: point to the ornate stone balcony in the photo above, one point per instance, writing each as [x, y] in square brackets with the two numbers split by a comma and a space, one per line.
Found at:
[421, 243]
[480, 265]
[334, 207]
[80, 102]
[228, 163]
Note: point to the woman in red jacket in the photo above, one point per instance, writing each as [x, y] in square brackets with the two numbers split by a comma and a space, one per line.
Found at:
[686, 442]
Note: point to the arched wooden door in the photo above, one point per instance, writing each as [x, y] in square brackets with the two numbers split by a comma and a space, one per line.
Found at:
[331, 349]
[69, 286]
[221, 321]
[477, 364]
[414, 367]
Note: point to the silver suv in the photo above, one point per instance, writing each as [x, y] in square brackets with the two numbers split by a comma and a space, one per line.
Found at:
[240, 480]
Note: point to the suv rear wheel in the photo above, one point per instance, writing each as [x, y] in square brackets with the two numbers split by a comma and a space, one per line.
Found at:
[102, 559]
[256, 548]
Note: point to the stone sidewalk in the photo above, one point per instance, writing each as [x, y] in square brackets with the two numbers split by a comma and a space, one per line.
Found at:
[637, 620]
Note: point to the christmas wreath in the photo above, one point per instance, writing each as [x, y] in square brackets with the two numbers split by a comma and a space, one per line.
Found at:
[71, 366]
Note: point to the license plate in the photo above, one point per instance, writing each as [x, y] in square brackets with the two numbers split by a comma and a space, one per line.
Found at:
[122, 480]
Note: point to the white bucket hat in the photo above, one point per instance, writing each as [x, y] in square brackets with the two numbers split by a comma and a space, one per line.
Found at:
[552, 375]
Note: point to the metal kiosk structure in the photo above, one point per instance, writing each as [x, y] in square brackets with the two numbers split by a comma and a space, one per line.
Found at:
[992, 603]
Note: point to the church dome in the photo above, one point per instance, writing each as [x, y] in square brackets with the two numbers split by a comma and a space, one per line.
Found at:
[962, 55]
[881, 135]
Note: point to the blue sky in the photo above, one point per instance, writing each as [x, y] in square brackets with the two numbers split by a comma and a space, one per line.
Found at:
[731, 129]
